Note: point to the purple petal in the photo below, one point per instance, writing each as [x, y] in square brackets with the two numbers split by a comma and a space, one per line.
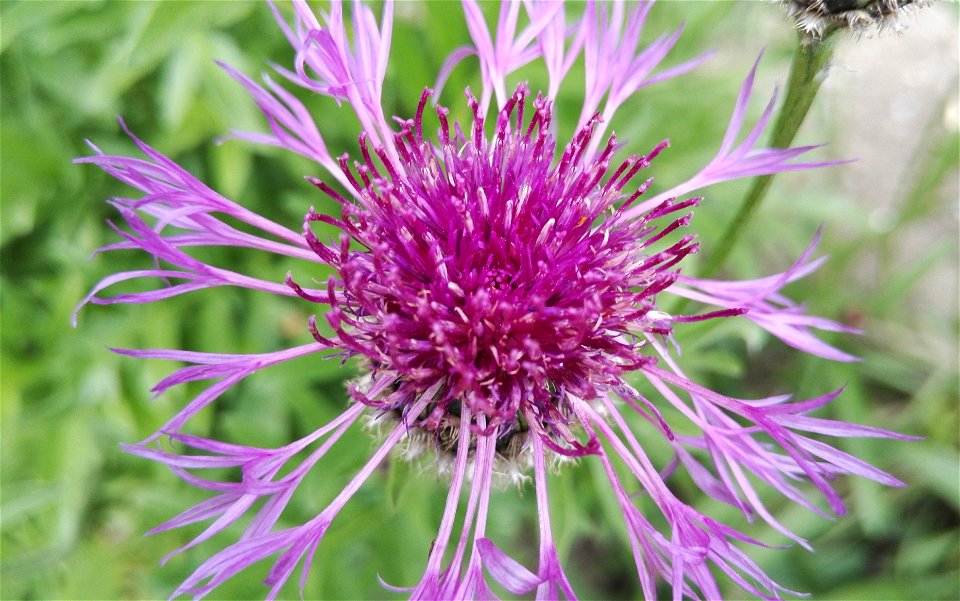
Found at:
[506, 570]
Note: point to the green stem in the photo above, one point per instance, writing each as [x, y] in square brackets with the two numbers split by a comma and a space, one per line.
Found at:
[807, 72]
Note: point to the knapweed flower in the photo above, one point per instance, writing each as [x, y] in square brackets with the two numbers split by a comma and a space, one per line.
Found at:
[499, 288]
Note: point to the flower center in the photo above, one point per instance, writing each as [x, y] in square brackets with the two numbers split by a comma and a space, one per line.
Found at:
[484, 274]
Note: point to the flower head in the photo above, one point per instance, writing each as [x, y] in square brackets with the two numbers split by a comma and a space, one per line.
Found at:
[501, 290]
[506, 281]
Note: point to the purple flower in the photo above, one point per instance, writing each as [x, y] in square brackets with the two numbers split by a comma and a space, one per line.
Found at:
[500, 289]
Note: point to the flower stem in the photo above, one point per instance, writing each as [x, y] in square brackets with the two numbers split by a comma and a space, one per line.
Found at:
[807, 72]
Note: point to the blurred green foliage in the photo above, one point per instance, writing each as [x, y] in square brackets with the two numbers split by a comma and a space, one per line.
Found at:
[74, 507]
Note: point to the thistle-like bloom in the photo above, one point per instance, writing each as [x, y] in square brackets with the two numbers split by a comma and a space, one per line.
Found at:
[500, 291]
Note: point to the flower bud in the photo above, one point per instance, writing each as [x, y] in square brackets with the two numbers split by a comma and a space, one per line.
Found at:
[819, 18]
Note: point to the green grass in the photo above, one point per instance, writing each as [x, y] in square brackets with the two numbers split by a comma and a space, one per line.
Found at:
[74, 507]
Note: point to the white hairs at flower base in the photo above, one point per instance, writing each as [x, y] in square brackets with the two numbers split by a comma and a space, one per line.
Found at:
[500, 288]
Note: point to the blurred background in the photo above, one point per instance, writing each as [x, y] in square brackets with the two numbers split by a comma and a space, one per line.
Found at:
[74, 507]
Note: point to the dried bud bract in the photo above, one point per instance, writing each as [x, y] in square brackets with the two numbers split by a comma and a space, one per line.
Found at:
[818, 18]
